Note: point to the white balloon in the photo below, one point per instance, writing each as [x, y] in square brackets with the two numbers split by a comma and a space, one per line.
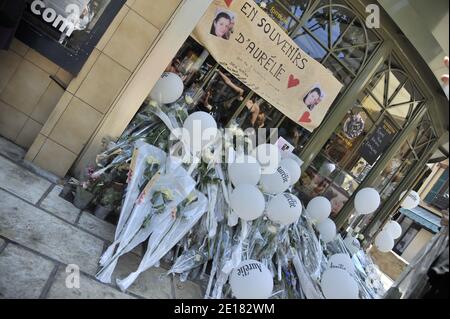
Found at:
[168, 89]
[248, 202]
[367, 201]
[276, 183]
[327, 169]
[394, 229]
[411, 201]
[341, 261]
[245, 170]
[284, 209]
[327, 230]
[319, 209]
[201, 129]
[251, 280]
[292, 156]
[384, 242]
[339, 284]
[293, 168]
[352, 244]
[268, 156]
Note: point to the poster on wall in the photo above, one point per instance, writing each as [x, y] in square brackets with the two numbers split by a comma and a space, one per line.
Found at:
[259, 53]
[378, 142]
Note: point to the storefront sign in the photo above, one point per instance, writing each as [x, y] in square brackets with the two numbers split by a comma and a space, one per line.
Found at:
[64, 20]
[259, 53]
[66, 31]
[378, 142]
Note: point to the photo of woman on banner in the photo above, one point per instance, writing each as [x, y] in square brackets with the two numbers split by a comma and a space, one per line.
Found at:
[223, 24]
[314, 97]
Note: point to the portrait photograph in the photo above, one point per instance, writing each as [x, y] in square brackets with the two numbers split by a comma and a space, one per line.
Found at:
[223, 24]
[314, 97]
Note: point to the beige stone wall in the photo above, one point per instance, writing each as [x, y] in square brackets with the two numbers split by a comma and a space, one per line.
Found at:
[27, 93]
[171, 38]
[102, 80]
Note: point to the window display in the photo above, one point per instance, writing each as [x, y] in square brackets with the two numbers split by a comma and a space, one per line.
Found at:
[66, 31]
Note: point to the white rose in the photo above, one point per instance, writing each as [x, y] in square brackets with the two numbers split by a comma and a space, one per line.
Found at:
[189, 100]
[272, 229]
[153, 103]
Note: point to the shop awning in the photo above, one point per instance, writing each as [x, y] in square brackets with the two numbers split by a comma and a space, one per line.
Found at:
[423, 217]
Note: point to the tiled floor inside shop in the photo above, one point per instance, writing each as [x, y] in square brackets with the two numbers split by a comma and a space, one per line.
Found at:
[41, 234]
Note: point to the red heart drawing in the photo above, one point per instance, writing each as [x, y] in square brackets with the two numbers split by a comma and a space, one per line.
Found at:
[293, 82]
[306, 118]
[228, 2]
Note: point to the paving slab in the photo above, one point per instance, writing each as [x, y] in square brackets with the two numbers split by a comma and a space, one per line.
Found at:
[11, 150]
[23, 274]
[48, 235]
[59, 206]
[21, 182]
[187, 289]
[89, 288]
[97, 226]
[152, 284]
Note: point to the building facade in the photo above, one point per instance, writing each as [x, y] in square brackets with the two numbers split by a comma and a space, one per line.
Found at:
[61, 96]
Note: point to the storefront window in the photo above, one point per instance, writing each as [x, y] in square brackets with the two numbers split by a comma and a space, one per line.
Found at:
[66, 31]
[296, 7]
[338, 38]
[415, 147]
[84, 14]
[294, 134]
[287, 13]
[364, 136]
[342, 46]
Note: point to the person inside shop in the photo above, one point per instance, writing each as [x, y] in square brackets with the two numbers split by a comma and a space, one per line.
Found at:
[222, 25]
[292, 134]
[313, 98]
[255, 115]
[222, 97]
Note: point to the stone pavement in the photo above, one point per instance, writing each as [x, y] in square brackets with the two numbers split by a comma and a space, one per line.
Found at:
[41, 234]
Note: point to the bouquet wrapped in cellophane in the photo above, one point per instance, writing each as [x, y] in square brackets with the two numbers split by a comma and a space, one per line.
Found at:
[181, 208]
